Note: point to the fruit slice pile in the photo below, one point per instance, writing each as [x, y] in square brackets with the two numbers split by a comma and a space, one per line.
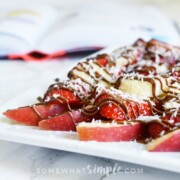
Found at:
[130, 94]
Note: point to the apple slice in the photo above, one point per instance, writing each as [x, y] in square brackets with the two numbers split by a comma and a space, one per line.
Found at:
[65, 122]
[143, 86]
[167, 143]
[31, 115]
[109, 132]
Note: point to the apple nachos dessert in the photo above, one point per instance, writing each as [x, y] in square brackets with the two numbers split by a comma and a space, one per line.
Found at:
[132, 93]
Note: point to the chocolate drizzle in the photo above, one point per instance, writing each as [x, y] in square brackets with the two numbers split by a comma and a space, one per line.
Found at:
[145, 70]
[36, 111]
[120, 103]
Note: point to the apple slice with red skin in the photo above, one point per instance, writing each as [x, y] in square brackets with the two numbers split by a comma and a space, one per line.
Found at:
[31, 115]
[65, 122]
[167, 143]
[109, 132]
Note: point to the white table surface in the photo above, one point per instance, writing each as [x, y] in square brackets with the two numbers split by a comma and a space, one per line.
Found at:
[24, 162]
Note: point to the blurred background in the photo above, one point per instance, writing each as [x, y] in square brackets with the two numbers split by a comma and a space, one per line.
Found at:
[76, 23]
[171, 8]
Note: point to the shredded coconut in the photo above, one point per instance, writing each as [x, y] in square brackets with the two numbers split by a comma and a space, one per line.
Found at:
[148, 118]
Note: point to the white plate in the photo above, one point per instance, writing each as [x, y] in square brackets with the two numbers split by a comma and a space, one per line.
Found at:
[126, 151]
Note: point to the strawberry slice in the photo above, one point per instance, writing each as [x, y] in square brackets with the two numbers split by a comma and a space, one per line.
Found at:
[31, 115]
[172, 120]
[101, 97]
[65, 96]
[119, 108]
[130, 110]
[65, 122]
[102, 59]
[155, 129]
[109, 132]
[112, 111]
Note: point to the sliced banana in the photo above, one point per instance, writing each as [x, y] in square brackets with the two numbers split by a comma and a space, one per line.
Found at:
[143, 86]
[92, 73]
